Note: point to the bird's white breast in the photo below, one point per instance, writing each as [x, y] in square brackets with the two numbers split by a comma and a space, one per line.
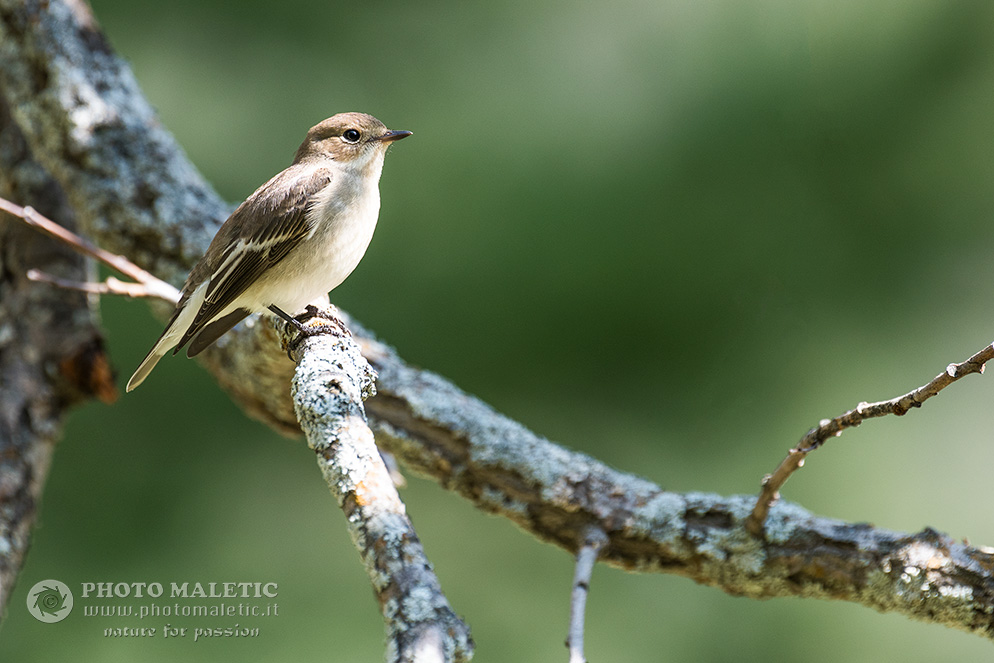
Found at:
[344, 217]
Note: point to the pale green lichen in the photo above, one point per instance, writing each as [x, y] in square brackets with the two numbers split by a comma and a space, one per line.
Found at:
[782, 522]
[419, 605]
[660, 519]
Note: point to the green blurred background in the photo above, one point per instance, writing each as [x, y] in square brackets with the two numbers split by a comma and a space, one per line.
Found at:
[673, 235]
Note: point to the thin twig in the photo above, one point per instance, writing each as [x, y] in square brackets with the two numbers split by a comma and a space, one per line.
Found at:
[593, 541]
[146, 284]
[110, 286]
[828, 428]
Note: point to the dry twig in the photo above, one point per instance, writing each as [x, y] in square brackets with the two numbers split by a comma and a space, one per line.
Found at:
[828, 428]
[145, 285]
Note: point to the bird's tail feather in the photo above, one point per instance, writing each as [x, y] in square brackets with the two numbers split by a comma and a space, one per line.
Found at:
[170, 337]
[177, 325]
[146, 367]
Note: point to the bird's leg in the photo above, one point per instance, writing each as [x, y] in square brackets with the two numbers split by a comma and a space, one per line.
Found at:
[289, 318]
[328, 323]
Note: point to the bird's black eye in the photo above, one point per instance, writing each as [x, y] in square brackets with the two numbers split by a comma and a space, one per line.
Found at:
[351, 136]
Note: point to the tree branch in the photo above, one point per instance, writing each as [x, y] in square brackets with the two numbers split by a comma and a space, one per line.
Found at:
[51, 351]
[331, 381]
[146, 285]
[440, 432]
[109, 286]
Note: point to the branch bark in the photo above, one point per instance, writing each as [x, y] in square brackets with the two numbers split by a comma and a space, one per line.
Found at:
[440, 432]
[51, 351]
[133, 192]
[331, 381]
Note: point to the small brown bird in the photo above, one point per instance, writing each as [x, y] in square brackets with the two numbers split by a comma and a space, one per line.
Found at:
[297, 237]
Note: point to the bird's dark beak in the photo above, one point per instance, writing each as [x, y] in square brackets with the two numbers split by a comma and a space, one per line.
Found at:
[391, 136]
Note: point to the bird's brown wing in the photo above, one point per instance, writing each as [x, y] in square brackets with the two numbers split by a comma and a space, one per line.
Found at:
[260, 233]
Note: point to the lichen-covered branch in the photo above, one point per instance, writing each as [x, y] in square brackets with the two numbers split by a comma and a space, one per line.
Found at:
[51, 352]
[331, 381]
[443, 433]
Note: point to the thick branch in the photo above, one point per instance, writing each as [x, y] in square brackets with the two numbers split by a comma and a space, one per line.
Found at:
[459, 441]
[330, 383]
[51, 352]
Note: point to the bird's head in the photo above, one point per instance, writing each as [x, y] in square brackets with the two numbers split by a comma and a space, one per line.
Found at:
[349, 138]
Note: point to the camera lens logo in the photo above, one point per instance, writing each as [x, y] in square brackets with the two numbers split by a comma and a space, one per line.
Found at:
[50, 601]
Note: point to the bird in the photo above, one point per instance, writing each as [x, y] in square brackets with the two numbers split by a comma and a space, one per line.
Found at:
[296, 238]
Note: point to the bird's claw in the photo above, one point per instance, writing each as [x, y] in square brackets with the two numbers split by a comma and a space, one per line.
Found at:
[328, 323]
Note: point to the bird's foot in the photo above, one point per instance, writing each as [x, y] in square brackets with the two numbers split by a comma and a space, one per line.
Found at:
[314, 322]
